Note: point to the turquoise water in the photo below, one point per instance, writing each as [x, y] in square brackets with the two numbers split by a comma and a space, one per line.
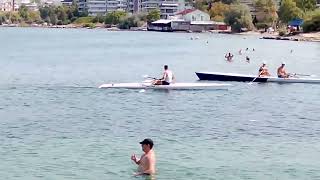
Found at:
[56, 124]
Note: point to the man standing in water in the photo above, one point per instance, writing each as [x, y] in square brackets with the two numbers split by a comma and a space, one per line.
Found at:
[146, 164]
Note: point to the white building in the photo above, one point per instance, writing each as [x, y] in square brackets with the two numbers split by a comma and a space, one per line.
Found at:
[93, 7]
[168, 8]
[116, 5]
[192, 15]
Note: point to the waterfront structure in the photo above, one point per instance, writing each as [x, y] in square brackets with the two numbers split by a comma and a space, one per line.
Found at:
[318, 3]
[187, 20]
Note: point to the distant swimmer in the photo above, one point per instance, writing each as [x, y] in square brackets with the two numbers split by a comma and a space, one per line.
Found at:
[282, 72]
[291, 51]
[247, 49]
[147, 162]
[253, 49]
[229, 56]
[240, 52]
[263, 70]
[247, 59]
[167, 77]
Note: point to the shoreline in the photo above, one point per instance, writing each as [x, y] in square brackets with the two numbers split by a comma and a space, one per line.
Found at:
[306, 37]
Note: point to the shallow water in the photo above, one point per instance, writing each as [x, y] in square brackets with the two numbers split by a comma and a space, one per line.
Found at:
[56, 124]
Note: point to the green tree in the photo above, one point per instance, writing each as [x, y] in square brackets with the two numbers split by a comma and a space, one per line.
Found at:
[266, 12]
[312, 23]
[114, 17]
[35, 16]
[153, 15]
[218, 10]
[288, 11]
[306, 5]
[24, 12]
[61, 14]
[238, 17]
[2, 18]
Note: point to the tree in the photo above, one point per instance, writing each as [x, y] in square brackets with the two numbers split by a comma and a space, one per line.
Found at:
[24, 12]
[288, 11]
[266, 12]
[238, 17]
[61, 14]
[312, 22]
[306, 5]
[218, 10]
[153, 15]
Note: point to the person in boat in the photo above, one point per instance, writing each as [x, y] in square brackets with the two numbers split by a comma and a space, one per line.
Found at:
[167, 77]
[282, 72]
[263, 70]
[229, 56]
[147, 162]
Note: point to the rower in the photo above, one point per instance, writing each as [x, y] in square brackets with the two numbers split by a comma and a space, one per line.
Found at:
[263, 70]
[282, 72]
[167, 77]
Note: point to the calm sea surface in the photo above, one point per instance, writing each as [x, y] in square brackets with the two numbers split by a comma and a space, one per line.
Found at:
[56, 124]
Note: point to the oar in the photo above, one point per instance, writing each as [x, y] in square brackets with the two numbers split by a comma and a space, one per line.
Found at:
[148, 77]
[255, 78]
[311, 75]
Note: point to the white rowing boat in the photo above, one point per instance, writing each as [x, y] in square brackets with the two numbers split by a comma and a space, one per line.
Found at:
[176, 86]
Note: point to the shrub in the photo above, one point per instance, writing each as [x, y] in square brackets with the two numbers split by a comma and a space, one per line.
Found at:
[84, 20]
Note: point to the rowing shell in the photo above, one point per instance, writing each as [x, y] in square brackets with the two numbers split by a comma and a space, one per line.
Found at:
[216, 76]
[176, 86]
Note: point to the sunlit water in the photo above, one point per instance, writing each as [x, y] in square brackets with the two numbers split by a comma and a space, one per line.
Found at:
[56, 124]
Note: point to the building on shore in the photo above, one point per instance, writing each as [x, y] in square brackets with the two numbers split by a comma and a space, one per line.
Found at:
[187, 20]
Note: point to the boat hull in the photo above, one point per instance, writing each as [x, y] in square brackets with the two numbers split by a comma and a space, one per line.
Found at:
[216, 76]
[176, 86]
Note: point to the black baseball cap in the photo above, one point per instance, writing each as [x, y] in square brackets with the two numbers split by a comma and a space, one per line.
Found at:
[147, 141]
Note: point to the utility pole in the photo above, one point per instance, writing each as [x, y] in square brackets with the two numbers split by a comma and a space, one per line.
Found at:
[12, 5]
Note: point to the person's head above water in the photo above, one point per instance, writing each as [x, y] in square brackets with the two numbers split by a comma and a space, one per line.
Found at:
[165, 67]
[147, 144]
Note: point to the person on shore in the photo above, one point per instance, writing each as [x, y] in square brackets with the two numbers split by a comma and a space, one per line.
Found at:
[263, 70]
[167, 77]
[146, 163]
[229, 56]
[282, 72]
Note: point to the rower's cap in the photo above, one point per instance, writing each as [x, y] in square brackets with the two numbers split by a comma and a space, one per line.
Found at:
[264, 62]
[283, 62]
[147, 141]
